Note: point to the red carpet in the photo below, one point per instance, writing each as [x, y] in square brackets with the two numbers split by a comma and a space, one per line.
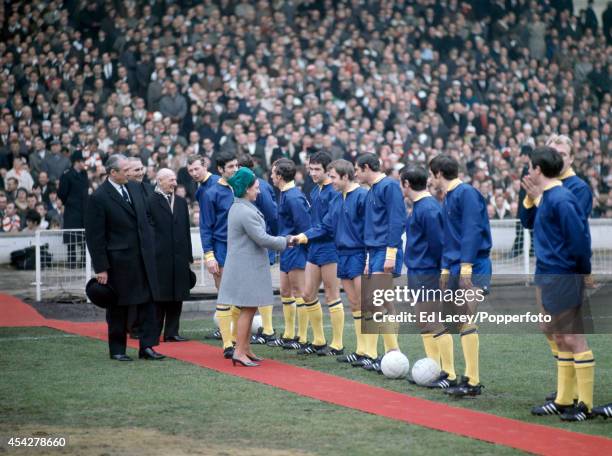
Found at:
[532, 438]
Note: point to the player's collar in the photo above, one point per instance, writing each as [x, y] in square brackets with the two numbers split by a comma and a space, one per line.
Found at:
[553, 184]
[222, 181]
[569, 173]
[452, 185]
[421, 196]
[206, 178]
[354, 187]
[288, 186]
[379, 178]
[324, 183]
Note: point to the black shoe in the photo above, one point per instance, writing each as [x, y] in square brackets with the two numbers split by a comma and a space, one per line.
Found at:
[329, 351]
[215, 335]
[149, 353]
[292, 344]
[277, 341]
[550, 408]
[464, 389]
[374, 366]
[578, 412]
[121, 358]
[228, 352]
[550, 397]
[308, 349]
[362, 361]
[175, 339]
[350, 358]
[262, 339]
[442, 382]
[605, 411]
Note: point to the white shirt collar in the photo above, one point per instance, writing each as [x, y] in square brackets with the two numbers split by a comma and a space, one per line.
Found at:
[117, 186]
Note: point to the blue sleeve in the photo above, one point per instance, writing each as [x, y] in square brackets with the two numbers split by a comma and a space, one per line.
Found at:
[471, 224]
[267, 206]
[300, 213]
[396, 221]
[327, 227]
[432, 224]
[527, 216]
[208, 218]
[585, 199]
[575, 234]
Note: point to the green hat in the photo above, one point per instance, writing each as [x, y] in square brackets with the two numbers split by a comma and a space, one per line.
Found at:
[242, 180]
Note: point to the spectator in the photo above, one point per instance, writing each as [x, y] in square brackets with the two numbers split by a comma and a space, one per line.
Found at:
[11, 222]
[20, 172]
[32, 220]
[173, 104]
[56, 162]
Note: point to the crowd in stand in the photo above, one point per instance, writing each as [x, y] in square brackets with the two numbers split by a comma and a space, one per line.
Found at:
[483, 80]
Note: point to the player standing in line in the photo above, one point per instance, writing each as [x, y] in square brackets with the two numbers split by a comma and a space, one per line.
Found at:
[423, 258]
[564, 146]
[563, 256]
[344, 222]
[465, 260]
[293, 218]
[266, 203]
[215, 205]
[322, 265]
[385, 220]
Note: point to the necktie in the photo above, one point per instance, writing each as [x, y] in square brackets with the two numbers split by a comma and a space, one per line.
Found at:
[169, 199]
[125, 195]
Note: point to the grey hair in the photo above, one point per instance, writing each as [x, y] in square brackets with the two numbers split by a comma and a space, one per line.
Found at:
[113, 162]
[164, 172]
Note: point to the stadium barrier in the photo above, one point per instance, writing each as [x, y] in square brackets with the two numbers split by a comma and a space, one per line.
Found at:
[63, 265]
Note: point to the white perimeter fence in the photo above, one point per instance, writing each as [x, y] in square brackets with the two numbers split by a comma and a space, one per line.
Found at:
[63, 265]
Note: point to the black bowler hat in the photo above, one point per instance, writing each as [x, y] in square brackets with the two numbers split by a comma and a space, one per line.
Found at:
[101, 295]
[193, 279]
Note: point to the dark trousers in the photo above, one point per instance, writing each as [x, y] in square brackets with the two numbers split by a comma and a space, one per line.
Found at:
[132, 321]
[169, 312]
[117, 318]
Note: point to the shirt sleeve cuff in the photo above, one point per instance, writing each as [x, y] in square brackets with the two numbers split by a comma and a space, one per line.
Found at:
[529, 203]
[466, 269]
[391, 253]
[209, 255]
[302, 238]
[445, 272]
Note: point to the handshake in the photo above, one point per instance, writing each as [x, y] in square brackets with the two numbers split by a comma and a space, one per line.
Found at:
[292, 241]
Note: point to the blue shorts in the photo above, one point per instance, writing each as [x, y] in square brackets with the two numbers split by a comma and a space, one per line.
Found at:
[293, 258]
[426, 279]
[351, 265]
[481, 274]
[220, 251]
[322, 253]
[377, 261]
[560, 292]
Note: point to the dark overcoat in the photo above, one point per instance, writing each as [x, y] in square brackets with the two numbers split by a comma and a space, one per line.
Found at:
[172, 246]
[120, 240]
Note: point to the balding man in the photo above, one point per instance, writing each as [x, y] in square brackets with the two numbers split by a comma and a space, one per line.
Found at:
[169, 216]
[119, 238]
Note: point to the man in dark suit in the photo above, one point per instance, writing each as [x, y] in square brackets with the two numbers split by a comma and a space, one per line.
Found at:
[135, 173]
[119, 238]
[73, 189]
[169, 216]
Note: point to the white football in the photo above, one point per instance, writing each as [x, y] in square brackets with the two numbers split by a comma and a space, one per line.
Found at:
[425, 371]
[257, 323]
[395, 365]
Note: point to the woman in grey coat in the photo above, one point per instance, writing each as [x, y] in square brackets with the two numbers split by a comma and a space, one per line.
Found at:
[247, 280]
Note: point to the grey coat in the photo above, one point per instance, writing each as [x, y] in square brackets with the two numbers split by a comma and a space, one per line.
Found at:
[247, 280]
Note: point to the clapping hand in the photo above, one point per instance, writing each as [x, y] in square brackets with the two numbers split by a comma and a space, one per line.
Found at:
[533, 190]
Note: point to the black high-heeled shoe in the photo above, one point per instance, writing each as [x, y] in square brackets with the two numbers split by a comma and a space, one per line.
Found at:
[254, 358]
[243, 363]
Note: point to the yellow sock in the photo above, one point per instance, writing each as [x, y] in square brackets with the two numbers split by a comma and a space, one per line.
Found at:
[447, 353]
[553, 347]
[360, 349]
[315, 315]
[302, 320]
[390, 341]
[336, 315]
[584, 364]
[289, 316]
[431, 347]
[370, 342]
[224, 317]
[470, 344]
[235, 314]
[566, 378]
[266, 318]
